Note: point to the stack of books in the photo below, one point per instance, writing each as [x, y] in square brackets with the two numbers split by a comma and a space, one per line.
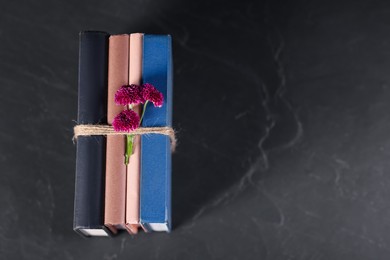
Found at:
[110, 195]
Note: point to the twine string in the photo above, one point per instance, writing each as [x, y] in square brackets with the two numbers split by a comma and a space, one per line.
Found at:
[89, 130]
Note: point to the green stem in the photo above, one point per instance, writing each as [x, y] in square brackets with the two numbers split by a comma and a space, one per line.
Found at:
[129, 143]
[143, 111]
[130, 138]
[129, 148]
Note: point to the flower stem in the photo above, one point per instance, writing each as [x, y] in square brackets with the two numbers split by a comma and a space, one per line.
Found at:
[143, 111]
[129, 142]
[129, 148]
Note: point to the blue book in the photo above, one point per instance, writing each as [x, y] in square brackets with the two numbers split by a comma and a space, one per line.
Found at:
[155, 184]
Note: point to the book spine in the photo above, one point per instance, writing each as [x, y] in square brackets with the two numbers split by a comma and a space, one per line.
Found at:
[133, 168]
[90, 155]
[155, 201]
[118, 72]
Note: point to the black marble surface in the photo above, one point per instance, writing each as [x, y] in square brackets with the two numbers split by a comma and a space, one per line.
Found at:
[282, 109]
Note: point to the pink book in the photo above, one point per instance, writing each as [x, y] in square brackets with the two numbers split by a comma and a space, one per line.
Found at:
[133, 168]
[115, 194]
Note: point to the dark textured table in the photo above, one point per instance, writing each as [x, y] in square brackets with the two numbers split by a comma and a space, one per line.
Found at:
[282, 111]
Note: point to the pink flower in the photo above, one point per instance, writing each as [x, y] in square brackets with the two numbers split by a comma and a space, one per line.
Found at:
[126, 121]
[150, 93]
[129, 94]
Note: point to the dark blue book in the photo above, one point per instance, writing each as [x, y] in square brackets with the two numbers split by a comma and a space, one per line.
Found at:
[155, 184]
[91, 150]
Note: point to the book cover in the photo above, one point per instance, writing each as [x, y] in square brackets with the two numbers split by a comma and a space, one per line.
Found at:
[115, 197]
[133, 168]
[155, 187]
[91, 150]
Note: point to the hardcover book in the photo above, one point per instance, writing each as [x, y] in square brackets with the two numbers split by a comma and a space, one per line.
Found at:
[91, 150]
[118, 75]
[155, 189]
[133, 168]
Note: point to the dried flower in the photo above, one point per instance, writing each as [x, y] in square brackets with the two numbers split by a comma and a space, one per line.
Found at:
[150, 93]
[129, 95]
[126, 121]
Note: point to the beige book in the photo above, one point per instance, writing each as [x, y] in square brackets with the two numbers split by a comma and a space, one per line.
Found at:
[133, 168]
